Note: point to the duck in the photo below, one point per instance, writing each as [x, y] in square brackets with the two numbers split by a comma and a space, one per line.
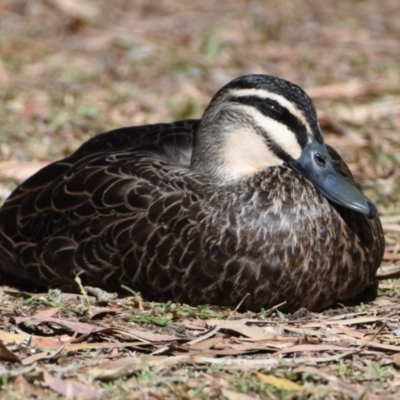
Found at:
[246, 206]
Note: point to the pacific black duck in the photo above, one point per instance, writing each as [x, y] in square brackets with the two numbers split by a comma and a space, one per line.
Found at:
[247, 200]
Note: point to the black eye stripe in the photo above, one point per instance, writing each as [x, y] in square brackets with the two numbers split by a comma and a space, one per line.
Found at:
[282, 154]
[261, 104]
[273, 109]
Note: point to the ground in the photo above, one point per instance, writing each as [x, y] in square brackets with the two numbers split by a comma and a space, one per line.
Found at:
[71, 69]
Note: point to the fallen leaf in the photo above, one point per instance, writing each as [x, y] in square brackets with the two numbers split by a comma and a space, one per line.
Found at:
[81, 327]
[349, 321]
[23, 387]
[41, 342]
[242, 327]
[7, 355]
[75, 326]
[388, 272]
[391, 256]
[352, 333]
[312, 347]
[396, 359]
[93, 346]
[47, 313]
[225, 346]
[348, 390]
[71, 389]
[109, 370]
[145, 336]
[376, 345]
[233, 363]
[279, 383]
[231, 395]
[196, 324]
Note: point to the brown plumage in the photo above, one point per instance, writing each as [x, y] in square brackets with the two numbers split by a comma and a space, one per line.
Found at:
[137, 207]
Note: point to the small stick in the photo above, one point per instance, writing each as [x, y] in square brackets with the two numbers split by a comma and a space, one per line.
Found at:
[238, 306]
[81, 288]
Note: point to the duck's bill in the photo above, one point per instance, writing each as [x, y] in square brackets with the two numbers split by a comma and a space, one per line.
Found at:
[316, 165]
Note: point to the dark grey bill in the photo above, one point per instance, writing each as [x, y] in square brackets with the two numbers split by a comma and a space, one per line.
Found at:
[316, 165]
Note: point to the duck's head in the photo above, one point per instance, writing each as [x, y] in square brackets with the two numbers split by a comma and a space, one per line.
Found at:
[258, 121]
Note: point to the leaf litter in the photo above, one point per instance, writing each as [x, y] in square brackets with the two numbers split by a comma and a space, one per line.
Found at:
[103, 349]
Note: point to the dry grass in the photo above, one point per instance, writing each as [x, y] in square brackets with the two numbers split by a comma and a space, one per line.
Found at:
[71, 69]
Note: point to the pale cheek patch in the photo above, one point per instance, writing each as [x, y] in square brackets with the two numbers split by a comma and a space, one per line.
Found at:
[245, 152]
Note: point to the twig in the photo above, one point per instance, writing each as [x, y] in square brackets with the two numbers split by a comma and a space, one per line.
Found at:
[81, 288]
[238, 306]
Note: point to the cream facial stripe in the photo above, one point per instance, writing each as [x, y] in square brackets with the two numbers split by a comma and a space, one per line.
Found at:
[265, 94]
[277, 132]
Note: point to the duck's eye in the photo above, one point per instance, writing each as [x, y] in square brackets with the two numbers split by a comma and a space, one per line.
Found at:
[320, 160]
[271, 106]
